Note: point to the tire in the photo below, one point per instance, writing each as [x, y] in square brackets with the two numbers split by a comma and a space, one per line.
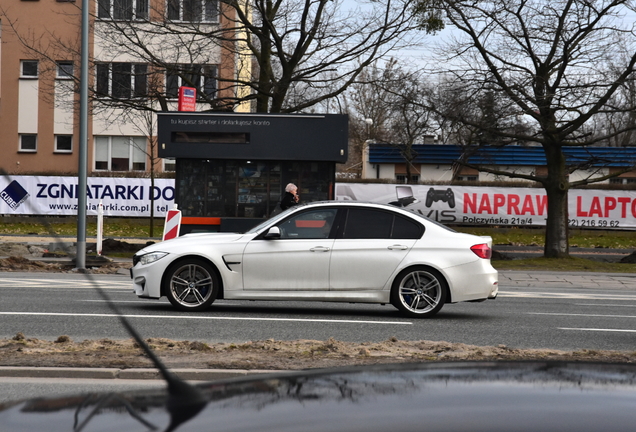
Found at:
[419, 292]
[191, 285]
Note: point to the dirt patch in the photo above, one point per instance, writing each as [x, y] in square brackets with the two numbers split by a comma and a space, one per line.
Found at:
[22, 264]
[24, 258]
[269, 354]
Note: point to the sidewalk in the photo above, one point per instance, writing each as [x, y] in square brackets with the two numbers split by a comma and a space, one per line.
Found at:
[552, 279]
[124, 374]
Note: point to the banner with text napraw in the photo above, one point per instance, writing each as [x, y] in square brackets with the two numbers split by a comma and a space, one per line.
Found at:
[51, 195]
[473, 205]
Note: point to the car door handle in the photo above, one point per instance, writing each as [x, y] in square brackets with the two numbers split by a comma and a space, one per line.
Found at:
[320, 249]
[398, 247]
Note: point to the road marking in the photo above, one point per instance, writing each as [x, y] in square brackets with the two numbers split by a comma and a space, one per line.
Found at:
[62, 283]
[598, 330]
[582, 315]
[54, 314]
[557, 295]
[606, 305]
[118, 301]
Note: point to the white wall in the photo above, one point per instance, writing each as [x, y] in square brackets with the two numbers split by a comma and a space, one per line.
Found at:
[441, 173]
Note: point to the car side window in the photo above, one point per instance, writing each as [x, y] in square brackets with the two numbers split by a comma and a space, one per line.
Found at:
[367, 224]
[405, 228]
[312, 224]
[378, 224]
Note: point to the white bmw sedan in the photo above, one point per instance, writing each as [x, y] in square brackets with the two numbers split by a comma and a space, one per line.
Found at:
[323, 251]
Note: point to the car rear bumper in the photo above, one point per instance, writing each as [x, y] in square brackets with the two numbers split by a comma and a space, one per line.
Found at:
[473, 281]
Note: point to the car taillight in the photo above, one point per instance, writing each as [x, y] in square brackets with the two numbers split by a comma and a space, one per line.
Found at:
[482, 251]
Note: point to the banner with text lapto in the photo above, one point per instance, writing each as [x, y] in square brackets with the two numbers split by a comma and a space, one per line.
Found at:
[475, 205]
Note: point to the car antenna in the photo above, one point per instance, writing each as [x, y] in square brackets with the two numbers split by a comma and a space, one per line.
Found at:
[184, 400]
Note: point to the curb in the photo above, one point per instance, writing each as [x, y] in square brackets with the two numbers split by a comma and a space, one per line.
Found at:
[125, 374]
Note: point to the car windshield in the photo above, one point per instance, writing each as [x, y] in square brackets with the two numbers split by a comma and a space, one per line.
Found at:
[269, 221]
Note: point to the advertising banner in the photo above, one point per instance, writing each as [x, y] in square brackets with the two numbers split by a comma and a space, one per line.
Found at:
[472, 205]
[459, 205]
[57, 196]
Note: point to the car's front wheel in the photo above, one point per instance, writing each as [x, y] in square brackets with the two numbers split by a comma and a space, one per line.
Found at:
[192, 285]
[419, 292]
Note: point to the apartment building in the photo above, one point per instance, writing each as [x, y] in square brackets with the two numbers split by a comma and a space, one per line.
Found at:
[141, 52]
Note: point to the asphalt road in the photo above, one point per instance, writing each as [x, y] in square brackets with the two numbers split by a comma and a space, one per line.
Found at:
[556, 311]
[566, 316]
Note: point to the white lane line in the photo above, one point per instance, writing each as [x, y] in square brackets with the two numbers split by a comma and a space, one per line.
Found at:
[205, 318]
[582, 315]
[120, 301]
[598, 330]
[62, 283]
[554, 295]
[606, 305]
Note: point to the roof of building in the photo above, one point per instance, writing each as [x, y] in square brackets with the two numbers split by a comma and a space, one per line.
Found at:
[509, 155]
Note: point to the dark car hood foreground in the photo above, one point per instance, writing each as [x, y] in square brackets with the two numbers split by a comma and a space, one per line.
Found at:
[501, 396]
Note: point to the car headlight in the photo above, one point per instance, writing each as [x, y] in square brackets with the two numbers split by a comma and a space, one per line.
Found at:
[151, 257]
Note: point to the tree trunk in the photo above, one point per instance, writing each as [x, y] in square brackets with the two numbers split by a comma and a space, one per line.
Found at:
[556, 186]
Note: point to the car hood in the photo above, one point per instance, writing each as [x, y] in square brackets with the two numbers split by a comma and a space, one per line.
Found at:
[466, 396]
[202, 238]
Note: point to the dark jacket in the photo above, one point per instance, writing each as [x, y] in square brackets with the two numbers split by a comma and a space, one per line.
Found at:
[287, 201]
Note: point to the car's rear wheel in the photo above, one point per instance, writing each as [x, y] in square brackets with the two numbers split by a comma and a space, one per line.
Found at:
[419, 292]
[192, 285]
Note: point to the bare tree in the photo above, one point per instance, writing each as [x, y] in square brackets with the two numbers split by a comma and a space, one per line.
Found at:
[409, 121]
[282, 55]
[390, 98]
[558, 65]
[365, 102]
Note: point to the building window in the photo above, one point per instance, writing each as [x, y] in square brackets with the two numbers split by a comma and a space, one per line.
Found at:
[169, 165]
[64, 70]
[121, 80]
[120, 153]
[29, 69]
[122, 10]
[201, 77]
[28, 143]
[616, 180]
[193, 10]
[466, 178]
[402, 178]
[64, 143]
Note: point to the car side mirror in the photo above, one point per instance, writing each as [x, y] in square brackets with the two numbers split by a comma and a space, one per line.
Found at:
[272, 233]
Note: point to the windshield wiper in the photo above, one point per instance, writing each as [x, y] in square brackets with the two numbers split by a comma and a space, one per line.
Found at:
[184, 400]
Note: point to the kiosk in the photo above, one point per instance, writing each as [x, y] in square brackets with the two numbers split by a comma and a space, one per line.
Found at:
[232, 168]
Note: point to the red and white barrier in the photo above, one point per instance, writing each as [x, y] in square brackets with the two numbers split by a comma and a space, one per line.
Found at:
[100, 227]
[172, 224]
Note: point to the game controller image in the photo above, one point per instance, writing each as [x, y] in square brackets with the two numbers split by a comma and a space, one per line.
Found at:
[446, 196]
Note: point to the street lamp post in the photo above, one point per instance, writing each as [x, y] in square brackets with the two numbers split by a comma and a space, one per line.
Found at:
[80, 258]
